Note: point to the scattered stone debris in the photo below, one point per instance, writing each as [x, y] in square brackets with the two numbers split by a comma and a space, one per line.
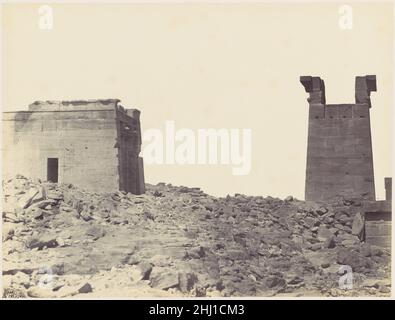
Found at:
[86, 288]
[60, 241]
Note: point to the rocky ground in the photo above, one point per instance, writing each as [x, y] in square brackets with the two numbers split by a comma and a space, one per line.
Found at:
[62, 242]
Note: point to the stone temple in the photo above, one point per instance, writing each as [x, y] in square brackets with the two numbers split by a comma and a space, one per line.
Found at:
[339, 147]
[93, 144]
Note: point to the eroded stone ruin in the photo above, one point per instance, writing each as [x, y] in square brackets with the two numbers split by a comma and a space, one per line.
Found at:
[378, 216]
[340, 158]
[93, 144]
[339, 151]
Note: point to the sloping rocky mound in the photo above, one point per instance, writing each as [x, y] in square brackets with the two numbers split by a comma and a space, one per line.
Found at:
[59, 241]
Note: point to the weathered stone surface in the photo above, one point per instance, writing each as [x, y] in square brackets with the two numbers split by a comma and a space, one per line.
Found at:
[95, 142]
[339, 151]
[377, 227]
[95, 232]
[40, 292]
[353, 259]
[26, 199]
[275, 281]
[330, 243]
[324, 233]
[358, 224]
[248, 246]
[44, 203]
[164, 280]
[13, 293]
[41, 242]
[8, 231]
[186, 281]
[146, 269]
[86, 288]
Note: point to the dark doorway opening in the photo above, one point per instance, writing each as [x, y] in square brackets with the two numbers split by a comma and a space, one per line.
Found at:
[52, 169]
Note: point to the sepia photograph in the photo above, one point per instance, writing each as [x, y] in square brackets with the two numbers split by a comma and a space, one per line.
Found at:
[196, 149]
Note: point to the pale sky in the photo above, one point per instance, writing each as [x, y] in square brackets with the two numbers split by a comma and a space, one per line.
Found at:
[208, 66]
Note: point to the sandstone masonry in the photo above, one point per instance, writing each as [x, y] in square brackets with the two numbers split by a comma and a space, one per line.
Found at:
[94, 144]
[339, 152]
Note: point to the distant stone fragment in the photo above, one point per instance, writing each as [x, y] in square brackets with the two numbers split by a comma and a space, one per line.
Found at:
[358, 225]
[86, 288]
[26, 199]
[186, 281]
[41, 242]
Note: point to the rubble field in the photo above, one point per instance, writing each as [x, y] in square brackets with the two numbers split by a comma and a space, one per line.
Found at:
[63, 242]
